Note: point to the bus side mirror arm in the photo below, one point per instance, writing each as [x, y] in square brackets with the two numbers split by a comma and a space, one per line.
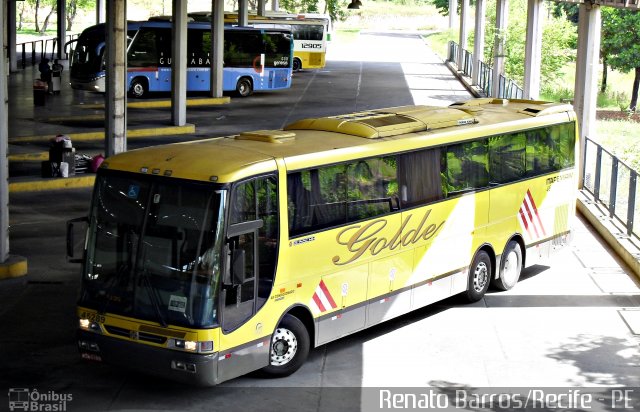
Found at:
[70, 240]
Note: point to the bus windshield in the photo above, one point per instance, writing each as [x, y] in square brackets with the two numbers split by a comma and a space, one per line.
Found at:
[155, 249]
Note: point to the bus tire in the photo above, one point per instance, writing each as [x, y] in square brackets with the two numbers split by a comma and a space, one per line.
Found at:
[510, 267]
[289, 347]
[479, 276]
[139, 88]
[297, 65]
[244, 87]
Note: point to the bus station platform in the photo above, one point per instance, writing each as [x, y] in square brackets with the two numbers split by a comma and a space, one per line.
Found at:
[573, 322]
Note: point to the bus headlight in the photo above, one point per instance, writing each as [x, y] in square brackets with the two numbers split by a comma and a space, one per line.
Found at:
[86, 324]
[191, 346]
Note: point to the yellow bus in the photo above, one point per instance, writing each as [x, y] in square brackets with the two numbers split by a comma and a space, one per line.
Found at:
[311, 34]
[209, 259]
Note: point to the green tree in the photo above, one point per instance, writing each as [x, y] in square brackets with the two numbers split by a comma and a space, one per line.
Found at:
[335, 8]
[621, 41]
[72, 9]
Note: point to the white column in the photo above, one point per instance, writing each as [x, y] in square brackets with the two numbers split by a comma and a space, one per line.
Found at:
[275, 5]
[502, 7]
[262, 7]
[116, 81]
[179, 63]
[478, 42]
[464, 10]
[533, 50]
[586, 87]
[453, 13]
[243, 12]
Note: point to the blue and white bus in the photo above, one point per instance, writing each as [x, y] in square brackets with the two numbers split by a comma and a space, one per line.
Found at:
[254, 59]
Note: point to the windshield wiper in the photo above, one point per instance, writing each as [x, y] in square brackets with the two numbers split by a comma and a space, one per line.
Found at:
[153, 296]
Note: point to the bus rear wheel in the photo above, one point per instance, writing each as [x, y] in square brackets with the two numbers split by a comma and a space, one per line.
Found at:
[297, 65]
[244, 87]
[479, 276]
[139, 88]
[510, 267]
[289, 347]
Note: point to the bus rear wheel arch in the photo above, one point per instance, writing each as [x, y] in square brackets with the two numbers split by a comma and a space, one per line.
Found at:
[297, 64]
[289, 347]
[139, 87]
[510, 266]
[244, 87]
[480, 274]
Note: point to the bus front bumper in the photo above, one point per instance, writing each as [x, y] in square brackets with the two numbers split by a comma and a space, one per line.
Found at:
[189, 368]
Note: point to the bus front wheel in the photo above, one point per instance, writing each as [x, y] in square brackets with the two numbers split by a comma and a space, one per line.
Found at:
[479, 276]
[297, 65]
[244, 87]
[139, 88]
[289, 347]
[510, 267]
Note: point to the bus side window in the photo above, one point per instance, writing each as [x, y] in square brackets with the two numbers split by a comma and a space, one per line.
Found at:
[372, 188]
[507, 157]
[466, 167]
[419, 177]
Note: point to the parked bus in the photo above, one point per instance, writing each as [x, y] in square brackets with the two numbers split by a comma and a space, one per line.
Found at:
[254, 59]
[311, 33]
[206, 260]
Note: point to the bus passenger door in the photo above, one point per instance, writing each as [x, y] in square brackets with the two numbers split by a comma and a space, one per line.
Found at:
[251, 251]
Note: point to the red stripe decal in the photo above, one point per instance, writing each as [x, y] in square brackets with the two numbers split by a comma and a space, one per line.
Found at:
[318, 302]
[328, 295]
[535, 209]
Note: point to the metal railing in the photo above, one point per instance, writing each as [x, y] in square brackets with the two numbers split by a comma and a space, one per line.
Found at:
[36, 50]
[507, 88]
[613, 184]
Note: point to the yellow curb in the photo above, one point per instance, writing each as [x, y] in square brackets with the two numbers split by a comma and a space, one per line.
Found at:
[14, 267]
[52, 184]
[161, 104]
[29, 157]
[91, 136]
[74, 118]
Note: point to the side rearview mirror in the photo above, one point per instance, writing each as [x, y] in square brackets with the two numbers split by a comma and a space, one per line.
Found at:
[238, 264]
[71, 246]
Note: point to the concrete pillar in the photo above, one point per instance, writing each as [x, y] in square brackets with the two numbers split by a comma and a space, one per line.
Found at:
[10, 266]
[586, 87]
[4, 147]
[453, 13]
[502, 7]
[262, 7]
[533, 50]
[217, 46]
[478, 42]
[464, 12]
[116, 81]
[275, 5]
[100, 11]
[243, 13]
[11, 35]
[61, 13]
[179, 64]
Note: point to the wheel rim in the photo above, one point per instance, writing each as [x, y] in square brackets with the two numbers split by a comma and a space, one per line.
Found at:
[284, 346]
[296, 65]
[510, 270]
[138, 89]
[480, 276]
[243, 88]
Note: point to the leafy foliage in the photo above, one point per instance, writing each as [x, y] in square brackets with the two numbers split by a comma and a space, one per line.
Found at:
[621, 44]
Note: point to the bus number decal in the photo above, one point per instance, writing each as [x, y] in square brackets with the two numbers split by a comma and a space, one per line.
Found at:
[362, 238]
[92, 317]
[302, 241]
[311, 46]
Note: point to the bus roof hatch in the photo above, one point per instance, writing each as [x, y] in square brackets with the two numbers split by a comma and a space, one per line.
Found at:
[389, 122]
